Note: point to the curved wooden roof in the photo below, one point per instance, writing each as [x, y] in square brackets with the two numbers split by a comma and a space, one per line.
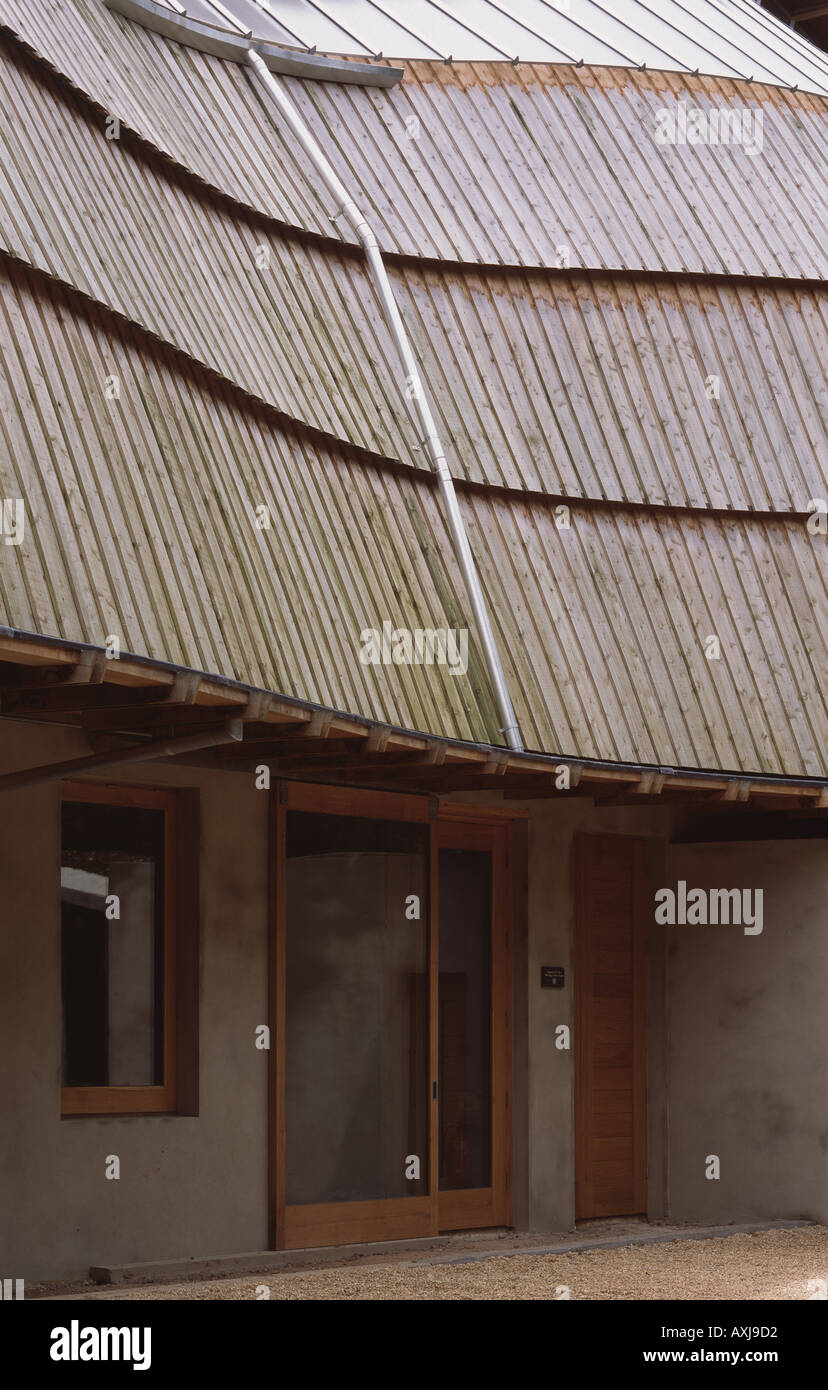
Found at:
[194, 261]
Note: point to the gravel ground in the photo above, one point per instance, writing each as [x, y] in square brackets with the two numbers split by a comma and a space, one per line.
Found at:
[767, 1265]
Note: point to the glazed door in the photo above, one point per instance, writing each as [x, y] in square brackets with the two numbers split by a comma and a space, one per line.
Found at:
[390, 984]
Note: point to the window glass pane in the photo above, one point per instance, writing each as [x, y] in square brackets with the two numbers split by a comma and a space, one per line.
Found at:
[357, 1009]
[465, 1018]
[111, 881]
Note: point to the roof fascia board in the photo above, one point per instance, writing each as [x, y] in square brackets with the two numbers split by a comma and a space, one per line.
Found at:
[221, 43]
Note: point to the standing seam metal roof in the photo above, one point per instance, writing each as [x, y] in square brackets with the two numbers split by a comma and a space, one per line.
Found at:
[725, 37]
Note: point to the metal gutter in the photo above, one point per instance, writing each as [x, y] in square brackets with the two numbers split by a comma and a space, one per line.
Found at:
[223, 43]
[411, 389]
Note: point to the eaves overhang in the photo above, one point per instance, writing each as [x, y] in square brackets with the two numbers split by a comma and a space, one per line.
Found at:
[134, 708]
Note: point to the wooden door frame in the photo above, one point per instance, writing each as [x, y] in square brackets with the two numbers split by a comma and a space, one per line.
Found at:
[491, 1206]
[580, 1060]
[406, 1217]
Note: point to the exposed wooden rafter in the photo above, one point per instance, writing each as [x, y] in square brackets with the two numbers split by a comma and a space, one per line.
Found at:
[132, 709]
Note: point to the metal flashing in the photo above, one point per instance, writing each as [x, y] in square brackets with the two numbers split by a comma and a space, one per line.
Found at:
[324, 69]
[222, 43]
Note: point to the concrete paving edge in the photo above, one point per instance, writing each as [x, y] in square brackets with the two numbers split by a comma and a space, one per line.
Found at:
[276, 1261]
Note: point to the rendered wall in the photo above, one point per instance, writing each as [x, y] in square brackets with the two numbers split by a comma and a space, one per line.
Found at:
[748, 1038]
[189, 1185]
[736, 1039]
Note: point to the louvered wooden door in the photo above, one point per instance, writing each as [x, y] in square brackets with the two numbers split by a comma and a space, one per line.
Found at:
[609, 1043]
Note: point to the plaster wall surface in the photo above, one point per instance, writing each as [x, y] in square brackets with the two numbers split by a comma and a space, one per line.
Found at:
[736, 1042]
[748, 1038]
[190, 1184]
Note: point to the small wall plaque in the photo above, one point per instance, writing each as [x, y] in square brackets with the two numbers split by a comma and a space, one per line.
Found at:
[552, 977]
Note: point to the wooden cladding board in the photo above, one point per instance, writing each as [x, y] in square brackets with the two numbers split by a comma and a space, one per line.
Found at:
[610, 1064]
[512, 160]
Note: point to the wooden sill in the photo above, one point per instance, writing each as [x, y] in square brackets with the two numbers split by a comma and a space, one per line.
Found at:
[118, 1100]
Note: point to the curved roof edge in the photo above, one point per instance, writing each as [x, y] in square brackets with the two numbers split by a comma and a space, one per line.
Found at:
[85, 664]
[300, 428]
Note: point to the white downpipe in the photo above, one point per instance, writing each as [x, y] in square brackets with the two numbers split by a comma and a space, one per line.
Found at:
[414, 389]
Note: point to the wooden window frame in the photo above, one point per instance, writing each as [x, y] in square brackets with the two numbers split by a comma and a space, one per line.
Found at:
[138, 1100]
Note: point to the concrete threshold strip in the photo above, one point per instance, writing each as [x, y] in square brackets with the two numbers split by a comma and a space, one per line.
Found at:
[125, 1277]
